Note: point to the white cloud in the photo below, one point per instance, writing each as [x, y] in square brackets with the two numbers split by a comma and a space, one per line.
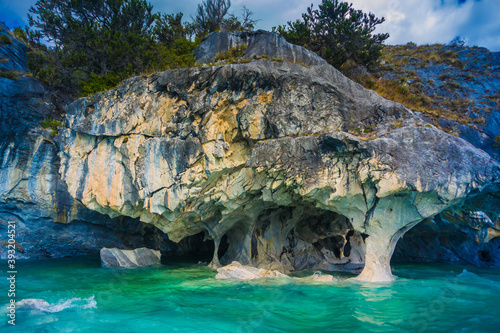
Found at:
[430, 21]
[393, 16]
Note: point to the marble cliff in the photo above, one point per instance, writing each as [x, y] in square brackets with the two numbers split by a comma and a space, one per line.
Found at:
[280, 160]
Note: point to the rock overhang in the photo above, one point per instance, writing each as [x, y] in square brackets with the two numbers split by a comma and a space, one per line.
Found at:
[218, 149]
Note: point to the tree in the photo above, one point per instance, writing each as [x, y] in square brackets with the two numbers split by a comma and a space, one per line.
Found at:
[101, 35]
[233, 23]
[94, 44]
[169, 27]
[212, 15]
[337, 32]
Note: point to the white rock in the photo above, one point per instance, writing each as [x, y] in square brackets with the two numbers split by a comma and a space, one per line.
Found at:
[235, 270]
[141, 257]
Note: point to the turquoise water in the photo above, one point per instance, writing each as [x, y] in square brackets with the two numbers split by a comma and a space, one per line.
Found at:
[80, 296]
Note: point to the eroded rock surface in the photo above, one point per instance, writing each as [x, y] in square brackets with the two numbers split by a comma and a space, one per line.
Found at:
[262, 155]
[32, 195]
[237, 271]
[256, 44]
[456, 238]
[283, 165]
[141, 257]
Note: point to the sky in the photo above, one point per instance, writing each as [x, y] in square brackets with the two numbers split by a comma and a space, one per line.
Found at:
[418, 21]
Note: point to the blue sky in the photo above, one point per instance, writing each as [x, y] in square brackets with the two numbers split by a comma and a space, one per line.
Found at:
[420, 21]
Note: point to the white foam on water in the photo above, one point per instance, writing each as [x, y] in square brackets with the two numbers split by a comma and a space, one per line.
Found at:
[43, 305]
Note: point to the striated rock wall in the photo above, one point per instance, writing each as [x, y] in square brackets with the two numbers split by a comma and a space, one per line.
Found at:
[452, 238]
[283, 165]
[257, 43]
[258, 156]
[31, 191]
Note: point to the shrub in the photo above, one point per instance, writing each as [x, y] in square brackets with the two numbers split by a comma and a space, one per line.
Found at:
[4, 40]
[11, 75]
[97, 83]
[234, 52]
[87, 57]
[52, 124]
[450, 85]
[337, 32]
[444, 76]
[479, 121]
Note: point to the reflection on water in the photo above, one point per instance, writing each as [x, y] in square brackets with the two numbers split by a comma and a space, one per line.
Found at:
[69, 295]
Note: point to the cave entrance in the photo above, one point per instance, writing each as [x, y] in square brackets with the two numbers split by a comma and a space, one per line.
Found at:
[198, 248]
[223, 246]
[326, 240]
[294, 238]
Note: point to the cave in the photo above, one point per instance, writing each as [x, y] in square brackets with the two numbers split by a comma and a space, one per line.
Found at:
[293, 238]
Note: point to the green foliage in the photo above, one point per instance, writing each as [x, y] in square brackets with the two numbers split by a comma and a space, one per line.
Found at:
[52, 124]
[234, 23]
[233, 53]
[480, 121]
[21, 35]
[213, 15]
[11, 75]
[98, 35]
[337, 32]
[45, 65]
[5, 40]
[169, 28]
[98, 43]
[97, 83]
[210, 16]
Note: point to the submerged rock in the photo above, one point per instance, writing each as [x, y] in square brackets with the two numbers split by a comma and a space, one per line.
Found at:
[318, 277]
[235, 270]
[141, 257]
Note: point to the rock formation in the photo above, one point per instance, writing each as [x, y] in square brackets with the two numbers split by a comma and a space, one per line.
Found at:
[235, 270]
[32, 194]
[263, 153]
[284, 164]
[141, 257]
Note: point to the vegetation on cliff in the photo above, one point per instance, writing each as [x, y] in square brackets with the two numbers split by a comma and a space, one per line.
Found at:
[452, 85]
[96, 44]
[338, 33]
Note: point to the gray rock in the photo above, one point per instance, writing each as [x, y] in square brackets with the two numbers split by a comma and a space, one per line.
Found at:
[142, 257]
[15, 53]
[257, 43]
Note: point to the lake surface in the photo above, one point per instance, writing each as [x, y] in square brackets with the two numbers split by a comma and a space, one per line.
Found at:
[77, 295]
